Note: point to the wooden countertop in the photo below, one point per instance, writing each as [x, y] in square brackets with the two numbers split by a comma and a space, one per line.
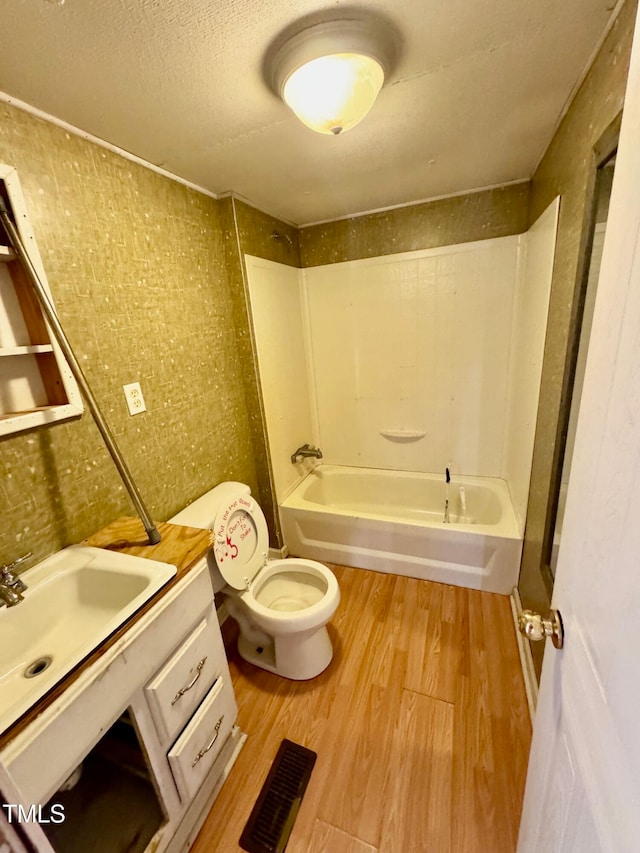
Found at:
[181, 546]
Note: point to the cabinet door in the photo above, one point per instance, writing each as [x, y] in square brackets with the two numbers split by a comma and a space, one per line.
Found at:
[179, 687]
[196, 750]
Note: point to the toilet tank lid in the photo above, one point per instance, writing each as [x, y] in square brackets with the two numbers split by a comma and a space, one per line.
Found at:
[203, 511]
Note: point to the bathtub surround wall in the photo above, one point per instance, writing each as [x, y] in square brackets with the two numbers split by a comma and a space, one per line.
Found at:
[492, 213]
[567, 169]
[410, 357]
[136, 265]
[250, 231]
[476, 216]
[416, 362]
[279, 325]
[530, 316]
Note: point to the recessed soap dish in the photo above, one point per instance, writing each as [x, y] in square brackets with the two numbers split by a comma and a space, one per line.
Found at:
[402, 434]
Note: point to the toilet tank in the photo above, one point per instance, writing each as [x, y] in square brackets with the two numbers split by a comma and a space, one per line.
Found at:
[202, 513]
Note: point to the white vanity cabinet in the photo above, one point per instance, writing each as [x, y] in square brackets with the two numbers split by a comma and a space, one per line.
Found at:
[159, 708]
[197, 748]
[182, 683]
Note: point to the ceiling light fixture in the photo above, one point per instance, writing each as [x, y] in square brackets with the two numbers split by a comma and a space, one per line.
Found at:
[330, 74]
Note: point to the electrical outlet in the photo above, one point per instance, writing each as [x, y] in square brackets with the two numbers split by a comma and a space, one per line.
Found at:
[135, 400]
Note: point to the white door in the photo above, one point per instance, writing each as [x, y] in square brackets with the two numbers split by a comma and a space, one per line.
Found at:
[583, 786]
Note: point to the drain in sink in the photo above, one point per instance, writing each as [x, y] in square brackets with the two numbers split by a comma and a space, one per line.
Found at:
[38, 666]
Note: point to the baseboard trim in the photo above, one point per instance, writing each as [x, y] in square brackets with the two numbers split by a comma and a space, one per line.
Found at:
[526, 658]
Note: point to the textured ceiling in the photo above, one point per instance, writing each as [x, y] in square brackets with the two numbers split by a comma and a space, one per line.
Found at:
[472, 101]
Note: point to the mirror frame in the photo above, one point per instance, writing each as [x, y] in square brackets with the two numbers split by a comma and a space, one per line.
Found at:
[602, 151]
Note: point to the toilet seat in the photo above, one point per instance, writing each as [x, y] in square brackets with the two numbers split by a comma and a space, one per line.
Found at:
[241, 541]
[304, 618]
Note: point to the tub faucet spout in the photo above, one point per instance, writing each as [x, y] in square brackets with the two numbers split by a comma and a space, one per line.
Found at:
[305, 451]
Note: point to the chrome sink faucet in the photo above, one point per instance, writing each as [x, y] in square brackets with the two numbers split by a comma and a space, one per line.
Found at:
[12, 586]
[304, 451]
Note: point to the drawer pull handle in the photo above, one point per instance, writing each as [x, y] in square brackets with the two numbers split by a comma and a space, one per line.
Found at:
[184, 690]
[210, 744]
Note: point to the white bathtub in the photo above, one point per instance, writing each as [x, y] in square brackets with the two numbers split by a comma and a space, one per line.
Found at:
[393, 521]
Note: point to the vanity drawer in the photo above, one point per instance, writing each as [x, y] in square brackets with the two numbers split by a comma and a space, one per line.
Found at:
[197, 748]
[178, 688]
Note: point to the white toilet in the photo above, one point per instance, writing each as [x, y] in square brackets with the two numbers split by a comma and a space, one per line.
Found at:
[281, 606]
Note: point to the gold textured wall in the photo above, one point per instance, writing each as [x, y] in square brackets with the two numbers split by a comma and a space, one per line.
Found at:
[136, 265]
[567, 169]
[444, 222]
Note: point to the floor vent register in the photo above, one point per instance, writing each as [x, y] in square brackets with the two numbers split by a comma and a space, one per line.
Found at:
[274, 814]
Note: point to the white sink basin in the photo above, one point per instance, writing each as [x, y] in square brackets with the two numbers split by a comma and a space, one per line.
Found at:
[74, 600]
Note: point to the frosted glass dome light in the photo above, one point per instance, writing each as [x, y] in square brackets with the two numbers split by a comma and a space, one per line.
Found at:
[330, 74]
[333, 93]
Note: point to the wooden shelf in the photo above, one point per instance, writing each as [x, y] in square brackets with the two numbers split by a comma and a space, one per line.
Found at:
[32, 349]
[4, 416]
[7, 254]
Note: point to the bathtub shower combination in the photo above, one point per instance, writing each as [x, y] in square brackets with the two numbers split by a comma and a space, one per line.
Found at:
[394, 521]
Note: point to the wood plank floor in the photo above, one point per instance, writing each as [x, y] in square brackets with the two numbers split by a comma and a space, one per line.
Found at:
[420, 724]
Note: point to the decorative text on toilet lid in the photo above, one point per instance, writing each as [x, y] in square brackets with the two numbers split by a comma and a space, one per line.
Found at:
[236, 534]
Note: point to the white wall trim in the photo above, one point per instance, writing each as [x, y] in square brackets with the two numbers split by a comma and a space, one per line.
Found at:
[102, 143]
[526, 658]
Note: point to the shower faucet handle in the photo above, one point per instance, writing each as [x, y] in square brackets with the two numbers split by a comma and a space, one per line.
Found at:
[304, 451]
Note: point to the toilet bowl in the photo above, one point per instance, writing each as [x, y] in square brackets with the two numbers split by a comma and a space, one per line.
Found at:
[281, 606]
